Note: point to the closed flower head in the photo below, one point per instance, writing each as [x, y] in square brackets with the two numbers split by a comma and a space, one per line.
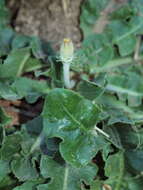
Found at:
[67, 51]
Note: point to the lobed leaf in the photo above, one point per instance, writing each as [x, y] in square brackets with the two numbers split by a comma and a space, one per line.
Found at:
[72, 118]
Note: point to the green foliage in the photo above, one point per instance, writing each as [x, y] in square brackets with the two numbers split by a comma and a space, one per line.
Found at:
[119, 34]
[23, 169]
[70, 178]
[73, 122]
[89, 137]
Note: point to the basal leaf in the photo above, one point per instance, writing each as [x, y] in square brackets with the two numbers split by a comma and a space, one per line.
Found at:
[125, 31]
[127, 46]
[96, 185]
[24, 169]
[73, 122]
[20, 41]
[136, 5]
[118, 112]
[23, 87]
[10, 146]
[127, 86]
[131, 137]
[90, 12]
[113, 164]
[122, 179]
[37, 49]
[4, 14]
[6, 36]
[134, 160]
[32, 65]
[7, 92]
[29, 185]
[7, 183]
[96, 51]
[30, 89]
[118, 11]
[119, 24]
[90, 90]
[14, 63]
[135, 184]
[4, 169]
[34, 126]
[70, 178]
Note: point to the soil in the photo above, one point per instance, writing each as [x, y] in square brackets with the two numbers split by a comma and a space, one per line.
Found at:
[47, 19]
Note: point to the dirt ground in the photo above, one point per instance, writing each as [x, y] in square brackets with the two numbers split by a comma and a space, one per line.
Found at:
[47, 19]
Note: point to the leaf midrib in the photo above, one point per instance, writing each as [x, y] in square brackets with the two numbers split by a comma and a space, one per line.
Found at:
[65, 180]
[80, 125]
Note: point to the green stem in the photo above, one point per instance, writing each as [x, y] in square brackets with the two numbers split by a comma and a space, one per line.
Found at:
[66, 73]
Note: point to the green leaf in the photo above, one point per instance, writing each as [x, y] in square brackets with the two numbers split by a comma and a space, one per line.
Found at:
[89, 90]
[20, 41]
[113, 164]
[4, 169]
[30, 89]
[6, 36]
[10, 146]
[7, 183]
[34, 126]
[121, 23]
[37, 49]
[127, 46]
[24, 169]
[119, 112]
[130, 136]
[119, 27]
[7, 92]
[121, 179]
[33, 64]
[70, 178]
[129, 183]
[136, 5]
[127, 86]
[29, 185]
[4, 14]
[97, 51]
[24, 87]
[135, 184]
[134, 160]
[90, 11]
[74, 122]
[14, 63]
[122, 31]
[96, 185]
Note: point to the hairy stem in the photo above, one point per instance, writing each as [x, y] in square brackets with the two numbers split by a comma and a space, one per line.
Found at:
[66, 72]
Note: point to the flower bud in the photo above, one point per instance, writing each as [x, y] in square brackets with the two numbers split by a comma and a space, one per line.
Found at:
[66, 51]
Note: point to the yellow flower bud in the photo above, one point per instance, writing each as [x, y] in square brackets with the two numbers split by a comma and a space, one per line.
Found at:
[66, 51]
